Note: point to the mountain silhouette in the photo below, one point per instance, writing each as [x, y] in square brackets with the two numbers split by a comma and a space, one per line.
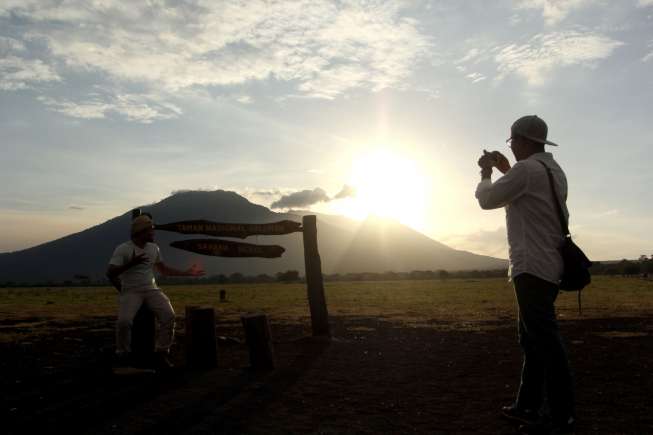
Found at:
[373, 245]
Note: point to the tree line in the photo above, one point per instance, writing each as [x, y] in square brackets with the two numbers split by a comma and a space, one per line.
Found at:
[626, 268]
[643, 266]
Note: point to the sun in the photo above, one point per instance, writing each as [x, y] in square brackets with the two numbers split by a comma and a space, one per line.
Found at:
[387, 185]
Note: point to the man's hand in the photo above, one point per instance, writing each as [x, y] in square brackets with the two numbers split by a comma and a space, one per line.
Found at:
[194, 271]
[500, 162]
[113, 272]
[171, 271]
[136, 259]
[486, 161]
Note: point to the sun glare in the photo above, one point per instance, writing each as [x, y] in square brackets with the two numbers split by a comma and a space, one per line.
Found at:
[387, 185]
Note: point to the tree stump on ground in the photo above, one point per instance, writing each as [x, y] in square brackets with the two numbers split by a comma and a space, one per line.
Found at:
[223, 295]
[143, 342]
[201, 343]
[259, 341]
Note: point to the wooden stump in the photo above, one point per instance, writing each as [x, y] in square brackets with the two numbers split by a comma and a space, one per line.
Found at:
[259, 341]
[223, 295]
[143, 342]
[201, 344]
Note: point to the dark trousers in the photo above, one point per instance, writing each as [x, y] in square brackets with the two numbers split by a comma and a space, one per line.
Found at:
[545, 367]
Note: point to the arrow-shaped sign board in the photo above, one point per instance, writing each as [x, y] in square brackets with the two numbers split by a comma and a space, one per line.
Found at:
[240, 231]
[227, 248]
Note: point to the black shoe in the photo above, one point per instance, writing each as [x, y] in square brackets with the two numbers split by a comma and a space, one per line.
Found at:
[519, 415]
[549, 428]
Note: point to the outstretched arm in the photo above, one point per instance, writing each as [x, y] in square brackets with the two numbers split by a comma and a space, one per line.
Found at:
[166, 270]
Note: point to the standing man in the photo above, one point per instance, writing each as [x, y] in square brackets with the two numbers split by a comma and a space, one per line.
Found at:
[131, 271]
[534, 236]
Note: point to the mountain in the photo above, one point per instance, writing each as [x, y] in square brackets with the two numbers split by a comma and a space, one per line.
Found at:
[374, 245]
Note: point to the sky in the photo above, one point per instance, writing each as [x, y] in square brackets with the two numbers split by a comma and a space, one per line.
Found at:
[343, 107]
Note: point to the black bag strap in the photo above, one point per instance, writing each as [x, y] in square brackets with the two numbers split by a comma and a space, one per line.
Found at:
[563, 221]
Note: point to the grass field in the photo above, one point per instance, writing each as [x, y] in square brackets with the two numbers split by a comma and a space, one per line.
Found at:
[462, 303]
[408, 357]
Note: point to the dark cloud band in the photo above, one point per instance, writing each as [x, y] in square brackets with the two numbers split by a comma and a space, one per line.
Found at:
[305, 198]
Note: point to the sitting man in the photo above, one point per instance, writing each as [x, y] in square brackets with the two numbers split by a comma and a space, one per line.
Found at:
[131, 273]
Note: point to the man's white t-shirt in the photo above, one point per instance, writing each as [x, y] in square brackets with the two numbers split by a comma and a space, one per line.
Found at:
[141, 276]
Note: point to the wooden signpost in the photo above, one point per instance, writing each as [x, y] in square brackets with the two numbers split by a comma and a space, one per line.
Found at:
[201, 348]
[227, 248]
[239, 231]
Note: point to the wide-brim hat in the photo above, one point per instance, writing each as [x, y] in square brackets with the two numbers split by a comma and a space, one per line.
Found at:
[531, 127]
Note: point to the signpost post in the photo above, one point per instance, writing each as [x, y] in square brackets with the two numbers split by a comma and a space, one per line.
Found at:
[314, 281]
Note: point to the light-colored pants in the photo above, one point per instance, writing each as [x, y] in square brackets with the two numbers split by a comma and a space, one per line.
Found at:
[130, 302]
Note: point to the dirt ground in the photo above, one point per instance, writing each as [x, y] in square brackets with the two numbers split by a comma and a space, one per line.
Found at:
[375, 376]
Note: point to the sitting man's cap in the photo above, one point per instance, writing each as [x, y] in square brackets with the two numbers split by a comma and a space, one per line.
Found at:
[531, 127]
[140, 223]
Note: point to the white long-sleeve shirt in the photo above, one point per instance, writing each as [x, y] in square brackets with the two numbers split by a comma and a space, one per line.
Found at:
[534, 230]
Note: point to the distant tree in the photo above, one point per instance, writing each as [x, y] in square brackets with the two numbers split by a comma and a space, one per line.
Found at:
[263, 277]
[288, 276]
[236, 277]
[443, 274]
[648, 267]
[643, 258]
[389, 276]
[632, 269]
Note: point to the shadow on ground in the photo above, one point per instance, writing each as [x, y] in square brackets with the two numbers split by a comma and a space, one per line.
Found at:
[376, 376]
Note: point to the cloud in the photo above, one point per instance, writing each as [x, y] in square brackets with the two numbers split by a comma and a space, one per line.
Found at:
[543, 53]
[644, 3]
[10, 45]
[346, 192]
[267, 193]
[20, 73]
[244, 99]
[554, 11]
[471, 55]
[302, 198]
[321, 49]
[649, 55]
[476, 77]
[75, 207]
[133, 107]
[306, 198]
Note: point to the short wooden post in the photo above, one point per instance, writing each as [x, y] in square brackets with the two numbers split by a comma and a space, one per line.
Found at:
[143, 340]
[259, 341]
[314, 281]
[201, 343]
[223, 295]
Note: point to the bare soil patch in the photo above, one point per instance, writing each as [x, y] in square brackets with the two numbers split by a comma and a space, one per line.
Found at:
[375, 376]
